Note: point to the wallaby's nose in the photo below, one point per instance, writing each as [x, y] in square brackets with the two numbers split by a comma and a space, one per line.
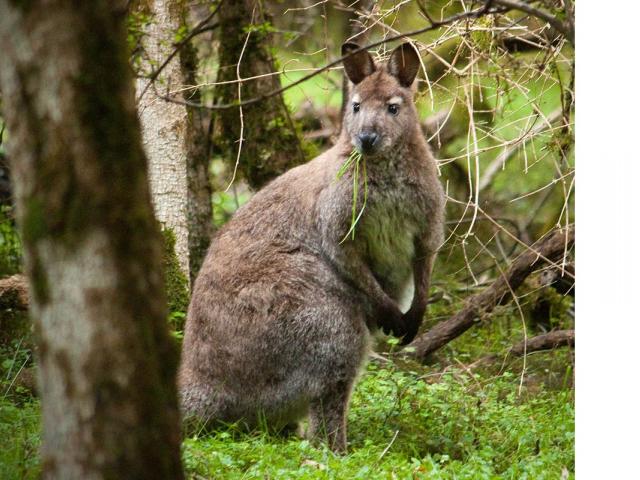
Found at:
[367, 140]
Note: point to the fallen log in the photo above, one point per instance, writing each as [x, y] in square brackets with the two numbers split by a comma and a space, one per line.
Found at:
[498, 293]
[14, 304]
[14, 293]
[547, 341]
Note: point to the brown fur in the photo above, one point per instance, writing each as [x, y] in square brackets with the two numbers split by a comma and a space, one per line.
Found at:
[279, 322]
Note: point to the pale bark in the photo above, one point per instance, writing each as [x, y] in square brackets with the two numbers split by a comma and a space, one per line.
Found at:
[92, 247]
[174, 137]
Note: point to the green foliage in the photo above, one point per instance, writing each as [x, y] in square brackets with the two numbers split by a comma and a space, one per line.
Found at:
[321, 90]
[406, 421]
[482, 37]
[176, 282]
[137, 21]
[225, 203]
[260, 30]
[310, 149]
[180, 34]
[19, 440]
[15, 357]
[10, 245]
[462, 426]
[352, 163]
[19, 412]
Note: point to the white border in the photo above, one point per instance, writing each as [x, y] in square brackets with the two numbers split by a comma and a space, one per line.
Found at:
[607, 240]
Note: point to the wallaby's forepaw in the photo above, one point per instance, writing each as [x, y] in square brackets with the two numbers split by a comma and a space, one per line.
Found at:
[390, 320]
[412, 322]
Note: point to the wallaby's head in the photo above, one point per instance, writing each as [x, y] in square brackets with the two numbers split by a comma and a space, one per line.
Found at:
[380, 112]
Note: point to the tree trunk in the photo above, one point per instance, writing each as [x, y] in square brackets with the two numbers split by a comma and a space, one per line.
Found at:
[175, 139]
[270, 144]
[92, 246]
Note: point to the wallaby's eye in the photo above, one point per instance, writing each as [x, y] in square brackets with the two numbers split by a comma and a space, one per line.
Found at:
[356, 107]
[393, 108]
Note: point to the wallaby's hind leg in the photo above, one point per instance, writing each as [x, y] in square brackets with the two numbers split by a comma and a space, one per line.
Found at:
[328, 416]
[340, 346]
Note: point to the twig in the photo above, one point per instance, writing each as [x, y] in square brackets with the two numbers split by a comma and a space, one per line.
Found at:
[540, 343]
[241, 139]
[384, 452]
[547, 341]
[509, 151]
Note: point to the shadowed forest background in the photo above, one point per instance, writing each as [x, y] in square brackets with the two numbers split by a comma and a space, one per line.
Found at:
[229, 95]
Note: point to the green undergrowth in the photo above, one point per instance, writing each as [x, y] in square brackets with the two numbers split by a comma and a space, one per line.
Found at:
[408, 424]
[19, 439]
[406, 421]
[449, 419]
[10, 245]
[512, 418]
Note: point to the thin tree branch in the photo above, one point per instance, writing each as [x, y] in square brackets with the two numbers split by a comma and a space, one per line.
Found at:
[548, 341]
[511, 150]
[435, 25]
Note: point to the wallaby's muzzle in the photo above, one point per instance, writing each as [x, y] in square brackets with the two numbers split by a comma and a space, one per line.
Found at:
[367, 142]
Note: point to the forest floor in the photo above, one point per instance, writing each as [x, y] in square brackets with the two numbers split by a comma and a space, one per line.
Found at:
[443, 421]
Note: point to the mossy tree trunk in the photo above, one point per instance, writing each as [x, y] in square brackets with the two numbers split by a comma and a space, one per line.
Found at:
[270, 143]
[175, 138]
[92, 246]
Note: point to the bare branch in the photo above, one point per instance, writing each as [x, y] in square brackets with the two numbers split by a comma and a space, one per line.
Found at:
[495, 166]
[547, 341]
[496, 294]
[540, 343]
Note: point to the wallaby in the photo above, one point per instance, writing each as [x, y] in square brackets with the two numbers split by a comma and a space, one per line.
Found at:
[282, 309]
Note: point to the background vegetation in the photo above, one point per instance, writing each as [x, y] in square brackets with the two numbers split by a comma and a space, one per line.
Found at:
[497, 103]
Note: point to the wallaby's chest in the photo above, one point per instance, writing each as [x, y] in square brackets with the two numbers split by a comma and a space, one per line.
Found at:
[388, 229]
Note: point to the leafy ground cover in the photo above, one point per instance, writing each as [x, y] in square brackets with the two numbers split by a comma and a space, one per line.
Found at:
[406, 421]
[404, 424]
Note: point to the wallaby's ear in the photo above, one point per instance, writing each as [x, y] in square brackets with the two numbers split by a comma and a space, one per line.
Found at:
[404, 64]
[359, 65]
